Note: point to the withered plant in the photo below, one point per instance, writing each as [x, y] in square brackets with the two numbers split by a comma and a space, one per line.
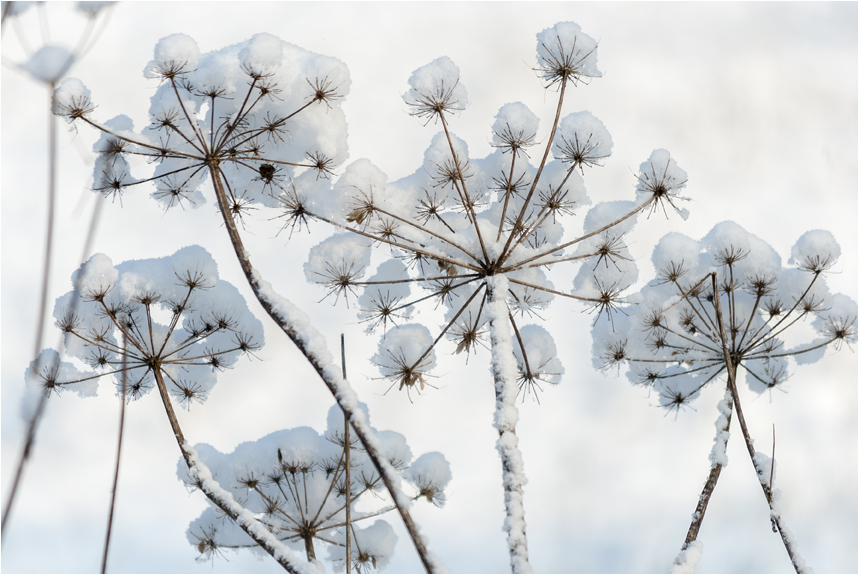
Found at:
[304, 487]
[477, 237]
[244, 118]
[750, 317]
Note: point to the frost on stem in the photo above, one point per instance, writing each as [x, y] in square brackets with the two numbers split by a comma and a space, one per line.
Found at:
[688, 558]
[294, 483]
[208, 327]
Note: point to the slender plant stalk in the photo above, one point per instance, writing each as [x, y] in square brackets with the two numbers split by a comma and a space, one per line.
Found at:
[348, 467]
[789, 545]
[506, 416]
[43, 305]
[43, 399]
[214, 496]
[118, 454]
[253, 280]
[710, 484]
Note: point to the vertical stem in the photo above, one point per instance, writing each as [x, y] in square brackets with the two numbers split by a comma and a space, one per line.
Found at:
[308, 548]
[775, 516]
[504, 371]
[348, 468]
[43, 306]
[118, 453]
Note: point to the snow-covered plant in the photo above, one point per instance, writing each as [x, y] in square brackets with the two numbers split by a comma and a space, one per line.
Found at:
[167, 323]
[295, 481]
[719, 304]
[478, 237]
[260, 121]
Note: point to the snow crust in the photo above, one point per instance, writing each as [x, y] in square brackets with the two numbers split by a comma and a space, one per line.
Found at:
[505, 372]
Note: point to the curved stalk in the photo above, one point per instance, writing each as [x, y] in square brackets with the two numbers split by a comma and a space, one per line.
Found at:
[282, 311]
[223, 499]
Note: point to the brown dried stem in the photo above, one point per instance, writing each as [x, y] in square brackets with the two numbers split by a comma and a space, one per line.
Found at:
[283, 324]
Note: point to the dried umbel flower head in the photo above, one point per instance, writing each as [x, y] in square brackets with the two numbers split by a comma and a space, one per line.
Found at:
[671, 338]
[294, 482]
[458, 221]
[167, 321]
[260, 119]
[566, 54]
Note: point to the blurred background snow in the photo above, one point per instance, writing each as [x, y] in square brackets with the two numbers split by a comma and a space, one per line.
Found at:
[757, 102]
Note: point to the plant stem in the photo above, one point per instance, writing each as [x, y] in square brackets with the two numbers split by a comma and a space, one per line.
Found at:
[339, 389]
[43, 306]
[712, 478]
[786, 537]
[118, 454]
[277, 552]
[348, 465]
[506, 417]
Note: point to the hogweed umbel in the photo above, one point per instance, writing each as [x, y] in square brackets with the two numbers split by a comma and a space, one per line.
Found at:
[477, 238]
[725, 306]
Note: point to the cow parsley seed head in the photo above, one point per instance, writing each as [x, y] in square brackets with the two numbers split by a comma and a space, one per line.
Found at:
[660, 178]
[115, 327]
[72, 100]
[565, 53]
[672, 337]
[458, 222]
[435, 90]
[295, 481]
[259, 120]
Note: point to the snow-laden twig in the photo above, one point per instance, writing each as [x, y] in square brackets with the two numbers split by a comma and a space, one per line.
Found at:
[718, 460]
[296, 325]
[505, 372]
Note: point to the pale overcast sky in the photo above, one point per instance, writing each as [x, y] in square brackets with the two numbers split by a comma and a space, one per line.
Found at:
[757, 102]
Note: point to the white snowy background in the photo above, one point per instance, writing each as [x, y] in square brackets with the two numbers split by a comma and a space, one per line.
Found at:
[757, 102]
